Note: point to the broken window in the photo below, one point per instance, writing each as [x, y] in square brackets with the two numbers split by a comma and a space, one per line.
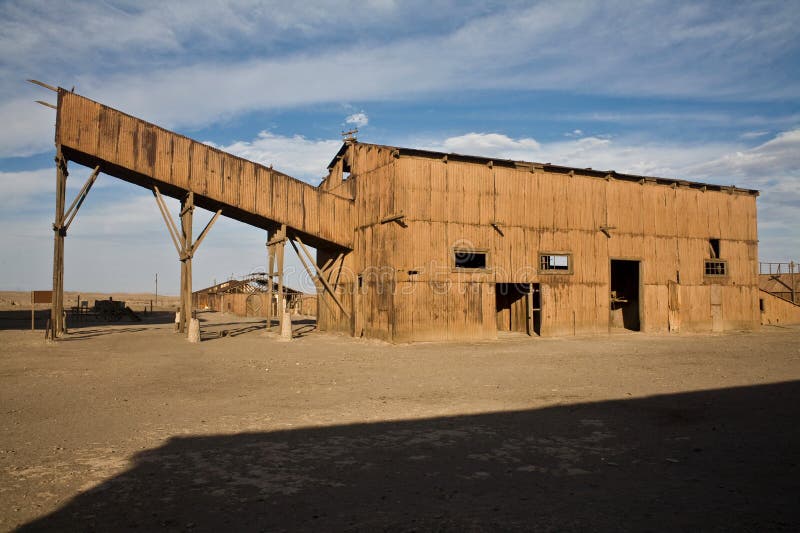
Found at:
[715, 267]
[713, 248]
[472, 259]
[555, 263]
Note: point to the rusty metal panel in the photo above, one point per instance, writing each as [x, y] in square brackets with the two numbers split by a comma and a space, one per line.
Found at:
[127, 146]
[231, 174]
[88, 125]
[42, 297]
[109, 134]
[164, 156]
[247, 187]
[146, 149]
[199, 166]
[181, 160]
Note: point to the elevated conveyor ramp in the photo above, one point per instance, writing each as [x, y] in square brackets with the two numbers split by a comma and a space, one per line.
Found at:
[136, 151]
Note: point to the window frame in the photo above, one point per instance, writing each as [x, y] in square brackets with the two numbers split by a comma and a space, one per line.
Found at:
[715, 263]
[555, 271]
[460, 249]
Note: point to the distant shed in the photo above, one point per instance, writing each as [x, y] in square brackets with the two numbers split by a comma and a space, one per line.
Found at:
[250, 297]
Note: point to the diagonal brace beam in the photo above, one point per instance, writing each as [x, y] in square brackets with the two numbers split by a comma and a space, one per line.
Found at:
[205, 231]
[69, 215]
[320, 276]
[171, 227]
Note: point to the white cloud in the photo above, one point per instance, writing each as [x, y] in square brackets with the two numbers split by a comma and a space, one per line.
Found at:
[358, 119]
[172, 70]
[489, 143]
[297, 156]
[21, 188]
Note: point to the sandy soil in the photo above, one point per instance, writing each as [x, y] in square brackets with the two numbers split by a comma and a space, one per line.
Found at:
[128, 427]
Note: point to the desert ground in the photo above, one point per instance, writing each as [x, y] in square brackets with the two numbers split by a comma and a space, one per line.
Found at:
[126, 426]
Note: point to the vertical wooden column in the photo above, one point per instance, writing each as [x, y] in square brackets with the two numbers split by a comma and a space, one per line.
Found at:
[270, 278]
[187, 211]
[281, 303]
[57, 309]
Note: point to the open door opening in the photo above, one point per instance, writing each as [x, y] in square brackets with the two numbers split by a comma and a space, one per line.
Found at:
[518, 307]
[625, 306]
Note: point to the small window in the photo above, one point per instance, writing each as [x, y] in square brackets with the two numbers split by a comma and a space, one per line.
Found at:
[713, 248]
[472, 259]
[555, 263]
[715, 267]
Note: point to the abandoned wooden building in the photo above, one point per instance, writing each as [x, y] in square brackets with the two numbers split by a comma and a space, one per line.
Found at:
[449, 247]
[250, 296]
[418, 245]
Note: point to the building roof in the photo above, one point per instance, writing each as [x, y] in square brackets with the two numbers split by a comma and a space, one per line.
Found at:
[604, 174]
[256, 282]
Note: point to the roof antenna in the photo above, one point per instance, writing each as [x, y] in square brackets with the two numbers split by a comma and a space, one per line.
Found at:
[349, 137]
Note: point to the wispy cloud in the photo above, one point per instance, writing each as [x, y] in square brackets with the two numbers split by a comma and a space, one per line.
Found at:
[547, 46]
[359, 120]
[297, 156]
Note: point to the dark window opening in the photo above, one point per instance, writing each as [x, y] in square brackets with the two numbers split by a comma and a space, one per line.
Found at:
[469, 259]
[715, 267]
[761, 304]
[555, 263]
[345, 170]
[713, 245]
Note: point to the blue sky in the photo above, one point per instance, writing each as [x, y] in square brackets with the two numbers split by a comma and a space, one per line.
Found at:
[704, 91]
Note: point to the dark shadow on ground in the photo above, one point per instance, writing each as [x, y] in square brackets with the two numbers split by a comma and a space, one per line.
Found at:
[210, 331]
[717, 460]
[22, 319]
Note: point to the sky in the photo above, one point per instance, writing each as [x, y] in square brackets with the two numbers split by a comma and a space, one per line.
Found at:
[702, 91]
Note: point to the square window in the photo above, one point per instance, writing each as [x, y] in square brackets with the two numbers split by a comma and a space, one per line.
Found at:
[715, 267]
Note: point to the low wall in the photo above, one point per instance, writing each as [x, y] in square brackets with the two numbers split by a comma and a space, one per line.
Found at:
[776, 310]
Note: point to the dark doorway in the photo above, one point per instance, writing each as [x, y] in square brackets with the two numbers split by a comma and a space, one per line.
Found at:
[518, 307]
[535, 320]
[625, 305]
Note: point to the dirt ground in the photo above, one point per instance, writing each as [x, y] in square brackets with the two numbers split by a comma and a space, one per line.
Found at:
[129, 427]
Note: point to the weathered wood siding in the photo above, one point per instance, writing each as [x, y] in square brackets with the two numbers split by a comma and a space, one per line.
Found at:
[410, 290]
[134, 150]
[777, 311]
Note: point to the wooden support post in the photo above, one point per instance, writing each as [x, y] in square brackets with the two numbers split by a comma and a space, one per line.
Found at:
[187, 212]
[281, 303]
[270, 280]
[57, 310]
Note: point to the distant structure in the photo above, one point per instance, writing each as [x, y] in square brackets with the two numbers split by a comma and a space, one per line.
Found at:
[417, 245]
[250, 296]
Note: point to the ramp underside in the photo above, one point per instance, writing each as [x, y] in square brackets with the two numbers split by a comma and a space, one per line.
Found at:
[136, 151]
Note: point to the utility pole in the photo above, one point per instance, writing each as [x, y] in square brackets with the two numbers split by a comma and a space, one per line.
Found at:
[156, 288]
